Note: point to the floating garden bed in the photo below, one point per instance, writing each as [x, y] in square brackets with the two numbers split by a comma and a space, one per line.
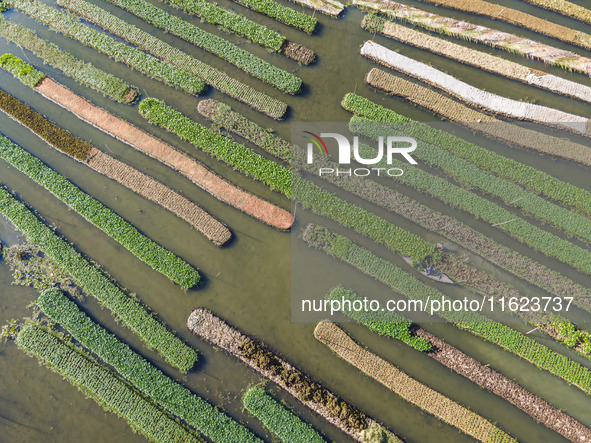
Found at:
[82, 72]
[144, 376]
[104, 387]
[473, 96]
[238, 156]
[95, 282]
[328, 7]
[338, 412]
[479, 34]
[69, 25]
[477, 121]
[478, 59]
[411, 390]
[244, 60]
[282, 423]
[282, 14]
[563, 7]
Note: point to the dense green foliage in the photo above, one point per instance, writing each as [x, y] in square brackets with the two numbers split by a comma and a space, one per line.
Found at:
[411, 287]
[364, 222]
[221, 114]
[282, 14]
[238, 156]
[164, 391]
[21, 70]
[128, 310]
[101, 385]
[283, 423]
[386, 323]
[244, 60]
[154, 255]
[82, 72]
[231, 21]
[532, 178]
[68, 24]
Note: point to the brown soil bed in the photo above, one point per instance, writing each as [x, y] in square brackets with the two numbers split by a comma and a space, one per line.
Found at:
[298, 52]
[500, 385]
[148, 144]
[476, 120]
[216, 331]
[155, 191]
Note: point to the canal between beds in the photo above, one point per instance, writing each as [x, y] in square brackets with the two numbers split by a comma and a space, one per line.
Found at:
[248, 282]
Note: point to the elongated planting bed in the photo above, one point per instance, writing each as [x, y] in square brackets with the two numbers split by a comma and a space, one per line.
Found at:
[407, 387]
[479, 34]
[454, 359]
[83, 73]
[476, 120]
[69, 25]
[164, 391]
[216, 331]
[564, 7]
[282, 423]
[328, 7]
[129, 177]
[411, 287]
[478, 59]
[282, 14]
[101, 385]
[95, 282]
[244, 60]
[474, 96]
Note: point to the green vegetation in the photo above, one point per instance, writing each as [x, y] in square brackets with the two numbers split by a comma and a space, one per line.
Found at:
[532, 178]
[386, 323]
[282, 14]
[104, 387]
[283, 423]
[154, 255]
[246, 61]
[93, 281]
[82, 72]
[238, 156]
[324, 203]
[164, 391]
[231, 21]
[68, 24]
[222, 115]
[364, 260]
[21, 70]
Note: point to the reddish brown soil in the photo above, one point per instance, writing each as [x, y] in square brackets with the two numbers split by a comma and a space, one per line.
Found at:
[142, 141]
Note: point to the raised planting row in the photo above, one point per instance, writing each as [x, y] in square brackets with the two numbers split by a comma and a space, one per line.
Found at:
[564, 7]
[100, 384]
[129, 177]
[69, 25]
[282, 423]
[411, 287]
[323, 203]
[473, 370]
[246, 61]
[518, 18]
[236, 155]
[474, 96]
[538, 181]
[479, 34]
[82, 72]
[407, 387]
[21, 70]
[328, 7]
[282, 14]
[151, 253]
[146, 41]
[222, 115]
[341, 414]
[476, 120]
[164, 391]
[471, 176]
[479, 59]
[95, 282]
[390, 323]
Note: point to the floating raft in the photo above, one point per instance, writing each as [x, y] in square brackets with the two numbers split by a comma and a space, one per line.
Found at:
[438, 276]
[328, 7]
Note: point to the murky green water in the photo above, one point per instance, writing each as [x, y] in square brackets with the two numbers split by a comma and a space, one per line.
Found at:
[248, 282]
